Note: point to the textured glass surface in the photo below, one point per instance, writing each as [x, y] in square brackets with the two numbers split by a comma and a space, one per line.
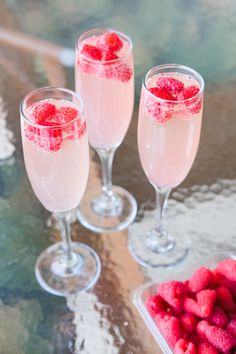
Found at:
[197, 33]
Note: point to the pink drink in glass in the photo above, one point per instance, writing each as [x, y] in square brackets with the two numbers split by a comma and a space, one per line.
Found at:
[170, 117]
[107, 88]
[56, 154]
[104, 76]
[167, 150]
[58, 174]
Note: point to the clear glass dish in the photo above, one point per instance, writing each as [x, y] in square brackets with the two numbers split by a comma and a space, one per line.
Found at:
[142, 293]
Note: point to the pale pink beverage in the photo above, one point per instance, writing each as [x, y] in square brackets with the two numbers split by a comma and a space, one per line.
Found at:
[169, 131]
[106, 83]
[170, 117]
[56, 155]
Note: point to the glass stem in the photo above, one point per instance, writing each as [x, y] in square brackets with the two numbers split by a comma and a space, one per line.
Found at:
[162, 195]
[64, 221]
[106, 157]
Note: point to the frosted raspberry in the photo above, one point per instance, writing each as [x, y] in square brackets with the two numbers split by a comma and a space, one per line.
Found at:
[123, 73]
[188, 322]
[156, 304]
[91, 52]
[170, 84]
[115, 72]
[206, 348]
[110, 41]
[188, 92]
[172, 292]
[183, 346]
[231, 327]
[201, 279]
[204, 304]
[162, 93]
[227, 268]
[225, 299]
[65, 115]
[48, 139]
[218, 317]
[220, 338]
[40, 112]
[49, 136]
[193, 106]
[108, 55]
[161, 113]
[169, 327]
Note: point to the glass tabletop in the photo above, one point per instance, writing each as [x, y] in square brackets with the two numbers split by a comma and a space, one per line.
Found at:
[36, 49]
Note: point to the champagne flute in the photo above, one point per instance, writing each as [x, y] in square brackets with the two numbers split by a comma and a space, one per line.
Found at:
[169, 127]
[104, 76]
[56, 155]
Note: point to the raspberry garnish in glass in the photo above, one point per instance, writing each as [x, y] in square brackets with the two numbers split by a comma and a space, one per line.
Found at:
[170, 117]
[56, 154]
[104, 76]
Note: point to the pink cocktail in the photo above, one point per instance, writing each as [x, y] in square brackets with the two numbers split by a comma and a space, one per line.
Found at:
[56, 155]
[169, 128]
[56, 161]
[104, 76]
[167, 149]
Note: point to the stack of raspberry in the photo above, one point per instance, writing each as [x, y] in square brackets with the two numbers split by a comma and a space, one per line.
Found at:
[53, 125]
[198, 316]
[104, 52]
[170, 89]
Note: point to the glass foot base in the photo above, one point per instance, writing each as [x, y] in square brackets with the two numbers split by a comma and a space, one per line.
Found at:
[145, 253]
[61, 278]
[96, 217]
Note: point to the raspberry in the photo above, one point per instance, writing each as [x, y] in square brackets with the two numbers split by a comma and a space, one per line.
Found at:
[188, 322]
[172, 292]
[188, 92]
[91, 52]
[183, 346]
[121, 72]
[160, 112]
[231, 327]
[218, 317]
[206, 348]
[40, 112]
[225, 299]
[220, 338]
[109, 55]
[169, 327]
[162, 93]
[110, 41]
[229, 284]
[187, 291]
[170, 84]
[193, 106]
[65, 115]
[204, 304]
[227, 268]
[49, 139]
[201, 279]
[201, 330]
[155, 304]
